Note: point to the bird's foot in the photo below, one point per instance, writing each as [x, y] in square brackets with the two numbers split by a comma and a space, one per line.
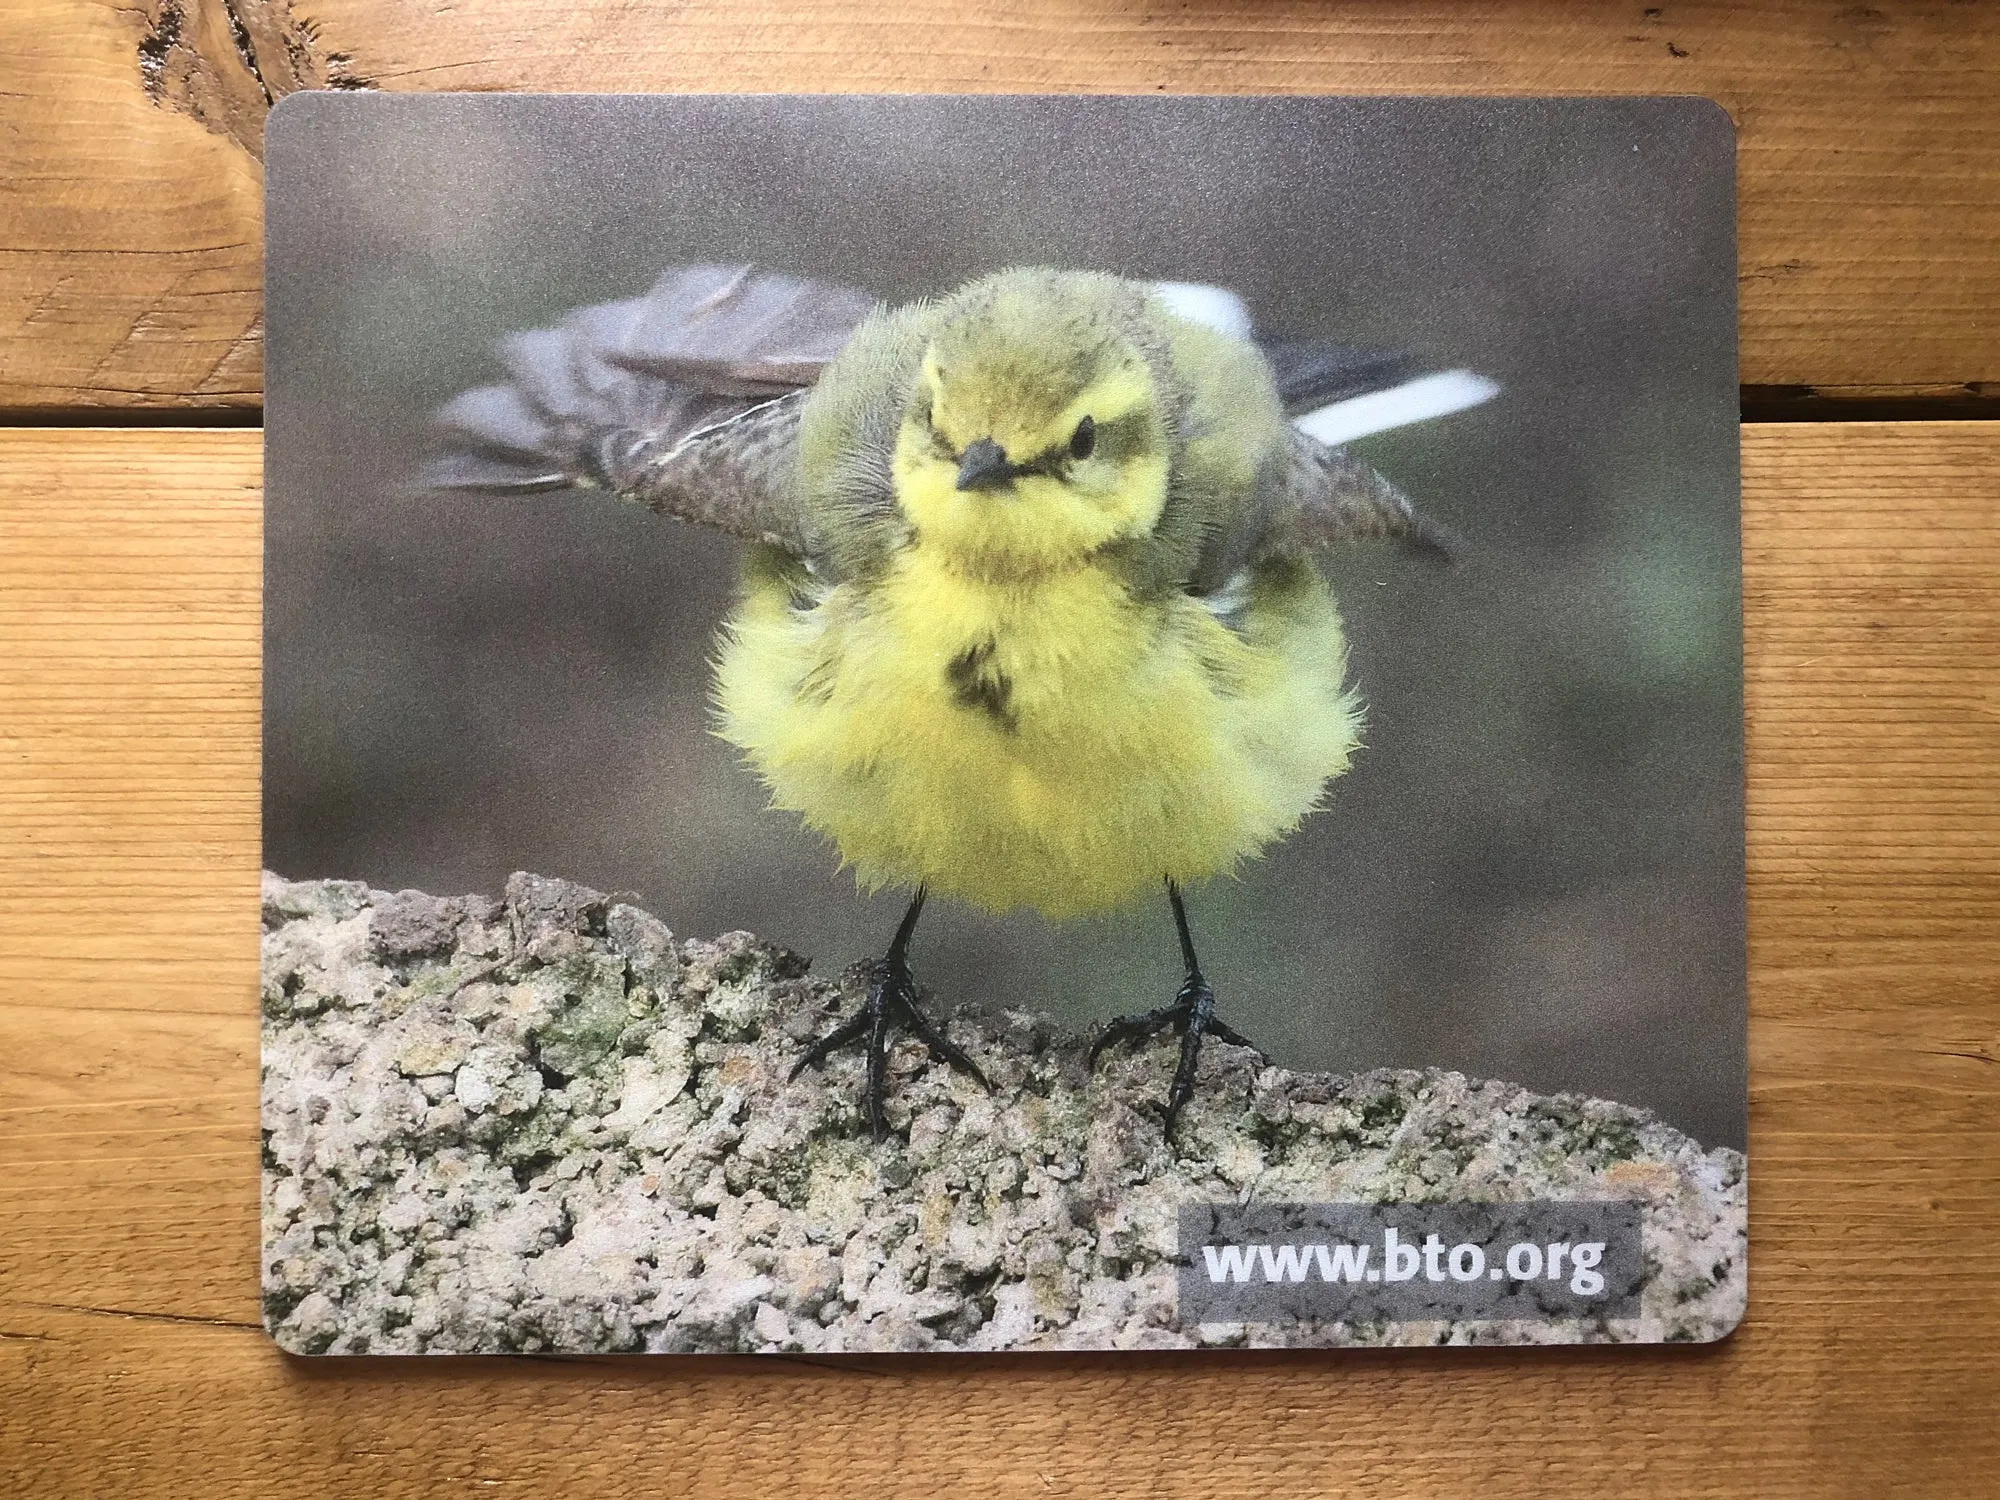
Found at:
[1191, 1014]
[891, 1006]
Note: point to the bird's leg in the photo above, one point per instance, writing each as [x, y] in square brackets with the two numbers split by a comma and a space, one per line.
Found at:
[1191, 1013]
[891, 1003]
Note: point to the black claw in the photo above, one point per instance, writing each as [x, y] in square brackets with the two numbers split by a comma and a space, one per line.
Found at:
[878, 1055]
[1192, 1017]
[891, 1004]
[1134, 1029]
[832, 1042]
[942, 1047]
[1235, 1038]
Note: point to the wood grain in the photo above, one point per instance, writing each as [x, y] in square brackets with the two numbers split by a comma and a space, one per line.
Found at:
[130, 1362]
[129, 129]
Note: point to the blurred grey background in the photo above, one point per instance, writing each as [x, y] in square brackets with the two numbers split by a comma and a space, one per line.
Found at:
[1535, 869]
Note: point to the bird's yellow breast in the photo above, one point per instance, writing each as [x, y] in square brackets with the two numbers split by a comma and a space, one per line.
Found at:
[1050, 742]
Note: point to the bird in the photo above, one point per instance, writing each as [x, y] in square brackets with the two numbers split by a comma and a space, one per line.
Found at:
[1031, 612]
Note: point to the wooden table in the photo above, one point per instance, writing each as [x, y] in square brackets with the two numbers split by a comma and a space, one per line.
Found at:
[131, 1363]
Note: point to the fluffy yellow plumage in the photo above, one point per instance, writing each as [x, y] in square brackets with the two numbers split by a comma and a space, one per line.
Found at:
[1142, 740]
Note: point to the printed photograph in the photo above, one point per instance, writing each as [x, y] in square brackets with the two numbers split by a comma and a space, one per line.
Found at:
[1001, 723]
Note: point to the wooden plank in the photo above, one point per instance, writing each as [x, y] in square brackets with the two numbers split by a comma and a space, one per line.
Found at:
[131, 243]
[130, 1362]
[131, 238]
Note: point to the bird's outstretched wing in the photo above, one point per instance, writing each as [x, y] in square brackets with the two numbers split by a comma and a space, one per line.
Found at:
[1316, 496]
[1314, 499]
[685, 400]
[1334, 394]
[1319, 496]
[1325, 497]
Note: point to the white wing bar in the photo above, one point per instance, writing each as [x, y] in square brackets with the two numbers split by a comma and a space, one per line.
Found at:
[1413, 401]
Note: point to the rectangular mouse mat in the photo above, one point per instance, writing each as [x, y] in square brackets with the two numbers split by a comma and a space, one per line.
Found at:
[1001, 723]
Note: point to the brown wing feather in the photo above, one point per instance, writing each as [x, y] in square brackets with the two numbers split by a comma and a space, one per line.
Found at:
[1325, 497]
[684, 400]
[738, 476]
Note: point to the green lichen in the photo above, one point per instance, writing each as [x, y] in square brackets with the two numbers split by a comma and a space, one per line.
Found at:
[1383, 1113]
[592, 1019]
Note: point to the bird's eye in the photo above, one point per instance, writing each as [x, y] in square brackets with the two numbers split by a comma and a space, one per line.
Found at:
[1083, 440]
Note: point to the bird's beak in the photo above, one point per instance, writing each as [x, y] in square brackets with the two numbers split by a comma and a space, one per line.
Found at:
[984, 466]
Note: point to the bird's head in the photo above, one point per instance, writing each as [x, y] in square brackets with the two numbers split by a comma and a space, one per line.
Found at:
[1035, 434]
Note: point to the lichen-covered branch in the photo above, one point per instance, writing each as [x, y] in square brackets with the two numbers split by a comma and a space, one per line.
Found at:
[546, 1123]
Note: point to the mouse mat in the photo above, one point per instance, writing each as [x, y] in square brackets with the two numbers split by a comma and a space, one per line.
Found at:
[1000, 723]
